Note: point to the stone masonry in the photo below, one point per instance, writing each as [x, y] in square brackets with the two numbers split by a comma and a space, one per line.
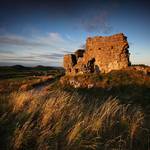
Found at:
[102, 54]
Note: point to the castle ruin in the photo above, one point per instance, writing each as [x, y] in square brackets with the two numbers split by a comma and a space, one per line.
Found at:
[101, 54]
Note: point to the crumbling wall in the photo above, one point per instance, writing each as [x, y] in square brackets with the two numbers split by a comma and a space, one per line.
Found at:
[69, 62]
[102, 54]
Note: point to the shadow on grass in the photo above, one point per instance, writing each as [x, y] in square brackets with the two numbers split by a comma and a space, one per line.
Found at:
[132, 93]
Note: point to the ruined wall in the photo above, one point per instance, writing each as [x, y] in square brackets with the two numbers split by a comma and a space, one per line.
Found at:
[102, 54]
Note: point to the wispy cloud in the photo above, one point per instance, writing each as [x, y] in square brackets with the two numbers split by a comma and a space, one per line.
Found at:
[83, 46]
[67, 52]
[47, 56]
[14, 57]
[40, 48]
[51, 37]
[2, 51]
[98, 20]
[51, 56]
[20, 59]
[17, 40]
[48, 40]
[97, 23]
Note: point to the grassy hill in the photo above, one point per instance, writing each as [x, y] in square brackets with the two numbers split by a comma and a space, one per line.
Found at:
[114, 114]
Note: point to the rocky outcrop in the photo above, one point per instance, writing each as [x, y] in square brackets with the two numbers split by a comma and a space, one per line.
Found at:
[142, 68]
[102, 54]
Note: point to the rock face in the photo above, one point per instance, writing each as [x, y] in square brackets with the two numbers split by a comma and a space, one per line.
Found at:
[102, 54]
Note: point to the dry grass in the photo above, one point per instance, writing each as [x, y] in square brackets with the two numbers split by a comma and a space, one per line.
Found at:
[22, 84]
[111, 79]
[60, 120]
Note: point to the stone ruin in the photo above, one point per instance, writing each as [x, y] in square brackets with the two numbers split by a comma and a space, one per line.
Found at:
[101, 54]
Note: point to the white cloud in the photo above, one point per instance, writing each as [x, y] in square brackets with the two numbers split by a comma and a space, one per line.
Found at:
[40, 48]
[17, 40]
[51, 40]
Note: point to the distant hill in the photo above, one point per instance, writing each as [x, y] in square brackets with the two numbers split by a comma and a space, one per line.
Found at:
[24, 68]
[22, 71]
[19, 67]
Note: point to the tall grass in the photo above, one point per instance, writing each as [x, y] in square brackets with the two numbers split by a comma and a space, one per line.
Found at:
[59, 120]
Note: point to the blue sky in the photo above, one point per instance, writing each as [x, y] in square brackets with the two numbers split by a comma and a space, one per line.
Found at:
[40, 32]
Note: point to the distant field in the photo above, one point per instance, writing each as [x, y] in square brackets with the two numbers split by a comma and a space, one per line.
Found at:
[37, 112]
[25, 78]
[18, 71]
